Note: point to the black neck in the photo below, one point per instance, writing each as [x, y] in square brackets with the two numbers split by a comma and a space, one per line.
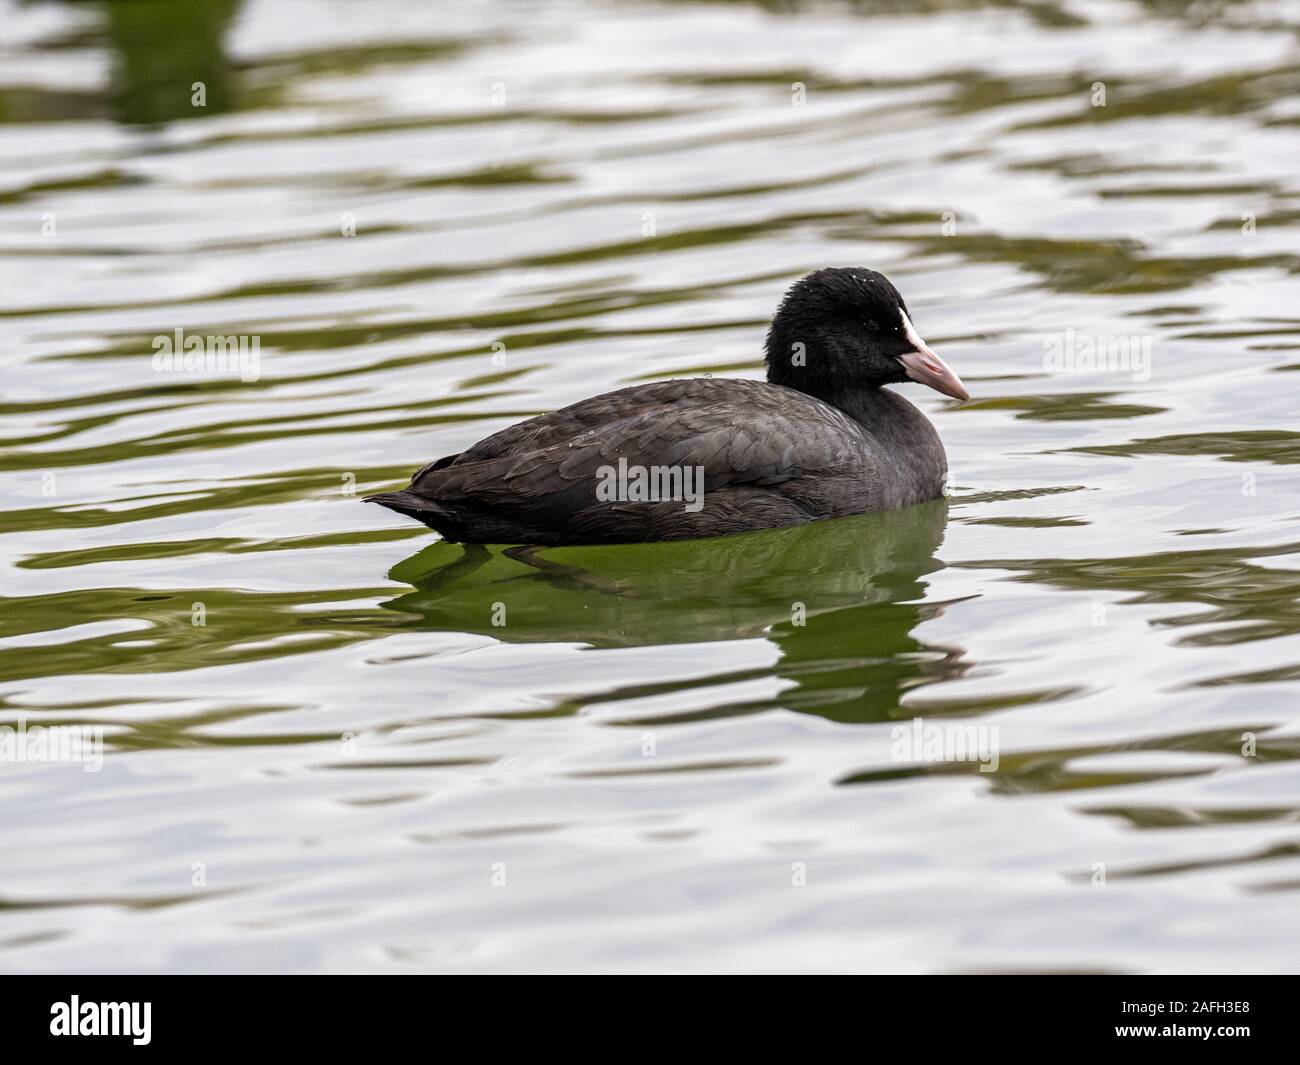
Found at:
[861, 403]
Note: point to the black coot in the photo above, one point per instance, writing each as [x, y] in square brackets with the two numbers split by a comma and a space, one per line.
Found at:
[675, 460]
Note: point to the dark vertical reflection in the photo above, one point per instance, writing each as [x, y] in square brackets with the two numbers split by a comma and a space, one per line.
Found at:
[161, 48]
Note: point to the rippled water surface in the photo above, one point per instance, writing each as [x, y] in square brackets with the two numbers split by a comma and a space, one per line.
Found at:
[321, 752]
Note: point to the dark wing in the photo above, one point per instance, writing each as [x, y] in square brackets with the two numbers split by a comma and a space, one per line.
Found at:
[568, 422]
[734, 440]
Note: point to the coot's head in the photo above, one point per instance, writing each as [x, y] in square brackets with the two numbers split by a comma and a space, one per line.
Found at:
[846, 328]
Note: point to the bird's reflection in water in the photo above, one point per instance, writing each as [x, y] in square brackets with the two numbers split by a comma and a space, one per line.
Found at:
[839, 599]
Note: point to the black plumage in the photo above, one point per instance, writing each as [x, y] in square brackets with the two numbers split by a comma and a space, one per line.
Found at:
[820, 438]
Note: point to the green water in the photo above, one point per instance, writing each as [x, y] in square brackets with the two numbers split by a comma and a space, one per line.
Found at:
[334, 743]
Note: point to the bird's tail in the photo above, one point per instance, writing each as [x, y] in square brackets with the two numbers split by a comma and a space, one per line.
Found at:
[407, 503]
